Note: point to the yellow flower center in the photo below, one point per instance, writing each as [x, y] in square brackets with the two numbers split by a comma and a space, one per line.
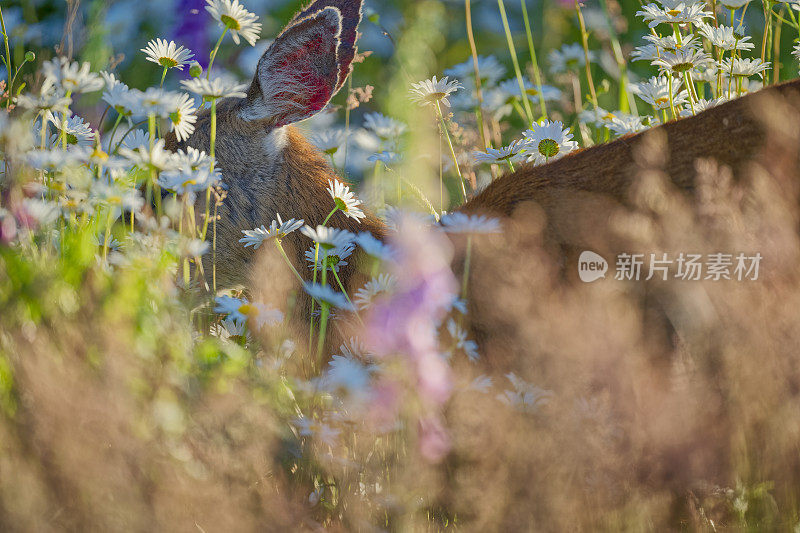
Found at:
[167, 62]
[230, 22]
[248, 310]
[673, 12]
[548, 148]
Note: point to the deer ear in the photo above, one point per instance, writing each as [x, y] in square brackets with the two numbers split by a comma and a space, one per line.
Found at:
[299, 73]
[351, 17]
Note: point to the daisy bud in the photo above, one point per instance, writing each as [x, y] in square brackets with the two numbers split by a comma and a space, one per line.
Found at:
[195, 70]
[30, 56]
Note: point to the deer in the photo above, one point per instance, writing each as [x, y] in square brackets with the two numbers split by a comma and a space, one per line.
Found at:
[270, 168]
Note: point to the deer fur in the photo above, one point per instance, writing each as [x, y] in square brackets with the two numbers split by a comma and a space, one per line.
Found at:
[269, 168]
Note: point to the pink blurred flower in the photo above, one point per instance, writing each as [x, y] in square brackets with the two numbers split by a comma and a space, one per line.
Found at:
[434, 443]
[406, 322]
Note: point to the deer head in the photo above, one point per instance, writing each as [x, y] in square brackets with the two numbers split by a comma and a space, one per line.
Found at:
[267, 166]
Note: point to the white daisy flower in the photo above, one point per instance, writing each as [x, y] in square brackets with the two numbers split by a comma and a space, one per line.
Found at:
[346, 200]
[481, 384]
[55, 159]
[157, 101]
[723, 37]
[116, 195]
[374, 247]
[188, 180]
[122, 99]
[347, 377]
[386, 128]
[707, 74]
[681, 60]
[92, 155]
[159, 158]
[47, 100]
[228, 330]
[670, 43]
[525, 396]
[192, 159]
[71, 77]
[328, 237]
[75, 128]
[43, 212]
[383, 284]
[458, 334]
[463, 223]
[597, 116]
[625, 124]
[332, 259]
[679, 14]
[497, 156]
[328, 141]
[325, 294]
[239, 310]
[278, 229]
[646, 52]
[569, 57]
[182, 117]
[796, 51]
[489, 67]
[167, 54]
[547, 141]
[744, 67]
[136, 139]
[432, 91]
[214, 89]
[655, 92]
[702, 104]
[236, 19]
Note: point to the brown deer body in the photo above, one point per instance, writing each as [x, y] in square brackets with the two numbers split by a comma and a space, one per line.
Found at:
[269, 169]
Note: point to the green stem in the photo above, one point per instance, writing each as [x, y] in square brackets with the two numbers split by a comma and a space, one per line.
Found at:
[671, 99]
[323, 326]
[116, 148]
[512, 50]
[323, 320]
[214, 53]
[288, 262]
[344, 291]
[9, 68]
[452, 150]
[467, 259]
[163, 75]
[211, 152]
[107, 236]
[156, 196]
[537, 76]
[14, 79]
[585, 41]
[478, 88]
[346, 124]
